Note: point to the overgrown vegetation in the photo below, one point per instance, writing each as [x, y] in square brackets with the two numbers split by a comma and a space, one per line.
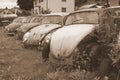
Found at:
[103, 63]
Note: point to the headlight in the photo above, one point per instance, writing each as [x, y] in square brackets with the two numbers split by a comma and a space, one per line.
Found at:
[47, 39]
[8, 29]
[40, 43]
[25, 37]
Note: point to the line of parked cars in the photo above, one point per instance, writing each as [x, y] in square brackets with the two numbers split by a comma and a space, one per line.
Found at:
[68, 37]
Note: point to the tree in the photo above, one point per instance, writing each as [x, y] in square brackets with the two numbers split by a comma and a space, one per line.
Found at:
[25, 4]
[79, 2]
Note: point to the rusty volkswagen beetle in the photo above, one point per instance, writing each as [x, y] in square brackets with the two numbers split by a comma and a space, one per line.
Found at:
[36, 20]
[82, 42]
[50, 22]
[19, 21]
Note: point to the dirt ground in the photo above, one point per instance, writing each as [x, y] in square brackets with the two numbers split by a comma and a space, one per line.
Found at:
[18, 63]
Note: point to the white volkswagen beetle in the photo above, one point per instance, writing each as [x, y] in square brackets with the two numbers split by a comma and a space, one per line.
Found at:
[79, 24]
[80, 41]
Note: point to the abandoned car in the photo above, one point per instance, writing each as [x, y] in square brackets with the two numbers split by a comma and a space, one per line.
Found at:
[26, 27]
[19, 21]
[85, 41]
[50, 23]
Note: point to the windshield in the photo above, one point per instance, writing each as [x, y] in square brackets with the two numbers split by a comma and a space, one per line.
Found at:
[19, 19]
[37, 19]
[27, 19]
[52, 19]
[86, 17]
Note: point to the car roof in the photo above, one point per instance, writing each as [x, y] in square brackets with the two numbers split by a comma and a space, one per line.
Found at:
[59, 14]
[90, 6]
[98, 10]
[37, 15]
[113, 7]
[88, 9]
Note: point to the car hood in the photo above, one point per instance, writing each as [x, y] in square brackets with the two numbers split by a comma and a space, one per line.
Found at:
[13, 25]
[26, 27]
[65, 40]
[38, 33]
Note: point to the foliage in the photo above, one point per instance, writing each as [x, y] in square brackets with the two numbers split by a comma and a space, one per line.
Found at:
[75, 75]
[25, 13]
[106, 35]
[26, 4]
[81, 1]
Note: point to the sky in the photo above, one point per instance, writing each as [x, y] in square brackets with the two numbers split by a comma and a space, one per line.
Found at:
[8, 3]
